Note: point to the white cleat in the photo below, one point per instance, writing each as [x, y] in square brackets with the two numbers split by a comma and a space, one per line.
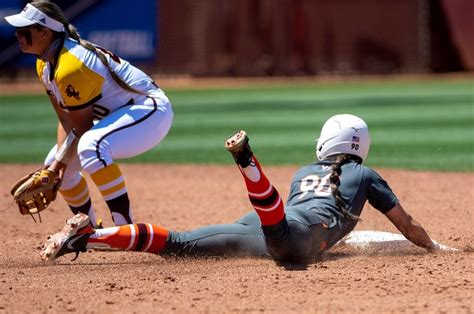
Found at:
[72, 239]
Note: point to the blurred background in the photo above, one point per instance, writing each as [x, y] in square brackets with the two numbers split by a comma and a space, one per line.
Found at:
[276, 68]
[267, 37]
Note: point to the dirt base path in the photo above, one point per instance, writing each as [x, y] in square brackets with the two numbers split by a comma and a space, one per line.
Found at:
[186, 197]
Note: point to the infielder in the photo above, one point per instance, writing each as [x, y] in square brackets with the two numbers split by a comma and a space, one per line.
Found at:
[107, 108]
[324, 205]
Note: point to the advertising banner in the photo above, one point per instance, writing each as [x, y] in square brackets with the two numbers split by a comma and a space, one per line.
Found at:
[127, 28]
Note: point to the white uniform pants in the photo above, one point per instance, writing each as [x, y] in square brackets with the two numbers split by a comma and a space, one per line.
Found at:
[127, 132]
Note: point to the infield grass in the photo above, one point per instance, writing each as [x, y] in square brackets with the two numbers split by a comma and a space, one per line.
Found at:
[426, 125]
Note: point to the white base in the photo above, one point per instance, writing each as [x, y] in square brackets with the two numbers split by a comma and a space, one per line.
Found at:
[382, 242]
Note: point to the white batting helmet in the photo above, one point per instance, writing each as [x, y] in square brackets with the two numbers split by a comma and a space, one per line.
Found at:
[343, 134]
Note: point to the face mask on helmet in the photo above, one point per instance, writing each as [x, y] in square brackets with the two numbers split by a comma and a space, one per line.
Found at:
[343, 134]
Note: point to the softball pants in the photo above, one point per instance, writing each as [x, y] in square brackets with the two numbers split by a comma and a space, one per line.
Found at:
[290, 241]
[129, 131]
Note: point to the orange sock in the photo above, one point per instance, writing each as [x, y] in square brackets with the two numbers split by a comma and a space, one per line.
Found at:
[137, 237]
[264, 197]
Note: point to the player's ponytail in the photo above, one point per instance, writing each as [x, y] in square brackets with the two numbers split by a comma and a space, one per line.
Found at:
[74, 34]
[53, 11]
[335, 182]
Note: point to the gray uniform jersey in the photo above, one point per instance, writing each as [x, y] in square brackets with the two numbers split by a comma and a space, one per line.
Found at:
[311, 200]
[310, 203]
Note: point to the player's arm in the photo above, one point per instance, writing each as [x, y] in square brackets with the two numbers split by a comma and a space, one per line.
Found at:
[80, 88]
[80, 121]
[61, 133]
[410, 228]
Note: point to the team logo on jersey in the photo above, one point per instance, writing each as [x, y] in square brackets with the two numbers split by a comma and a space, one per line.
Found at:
[71, 92]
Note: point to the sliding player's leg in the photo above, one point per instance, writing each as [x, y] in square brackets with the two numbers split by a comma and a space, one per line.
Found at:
[238, 239]
[262, 194]
[288, 240]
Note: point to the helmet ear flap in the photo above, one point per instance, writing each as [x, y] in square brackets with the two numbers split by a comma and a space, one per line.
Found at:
[320, 151]
[317, 148]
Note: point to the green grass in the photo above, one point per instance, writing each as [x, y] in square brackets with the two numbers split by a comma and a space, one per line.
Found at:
[413, 125]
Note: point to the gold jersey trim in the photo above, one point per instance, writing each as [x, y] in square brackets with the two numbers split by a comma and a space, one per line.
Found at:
[80, 79]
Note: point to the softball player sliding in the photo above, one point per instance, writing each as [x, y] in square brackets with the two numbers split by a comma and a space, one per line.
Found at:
[109, 108]
[325, 201]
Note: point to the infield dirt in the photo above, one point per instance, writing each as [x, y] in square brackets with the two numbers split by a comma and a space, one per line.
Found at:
[183, 197]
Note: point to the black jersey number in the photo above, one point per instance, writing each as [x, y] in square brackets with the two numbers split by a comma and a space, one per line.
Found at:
[315, 184]
[99, 112]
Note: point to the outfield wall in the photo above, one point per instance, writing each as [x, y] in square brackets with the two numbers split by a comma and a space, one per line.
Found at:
[268, 37]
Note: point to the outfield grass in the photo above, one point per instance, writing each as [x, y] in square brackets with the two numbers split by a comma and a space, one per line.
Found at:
[414, 125]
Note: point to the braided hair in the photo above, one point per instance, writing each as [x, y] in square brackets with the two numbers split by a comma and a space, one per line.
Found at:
[53, 11]
[335, 182]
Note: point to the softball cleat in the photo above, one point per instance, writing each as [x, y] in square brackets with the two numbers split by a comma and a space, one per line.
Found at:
[238, 146]
[72, 239]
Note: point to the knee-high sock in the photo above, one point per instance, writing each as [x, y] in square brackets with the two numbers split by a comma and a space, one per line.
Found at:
[111, 185]
[264, 197]
[78, 199]
[137, 237]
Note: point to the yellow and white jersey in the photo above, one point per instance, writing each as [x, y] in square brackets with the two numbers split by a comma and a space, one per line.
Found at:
[80, 79]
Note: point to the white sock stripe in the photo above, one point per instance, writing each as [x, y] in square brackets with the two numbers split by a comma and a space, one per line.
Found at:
[115, 194]
[132, 238]
[271, 208]
[99, 233]
[71, 183]
[110, 184]
[150, 241]
[74, 199]
[252, 173]
[262, 194]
